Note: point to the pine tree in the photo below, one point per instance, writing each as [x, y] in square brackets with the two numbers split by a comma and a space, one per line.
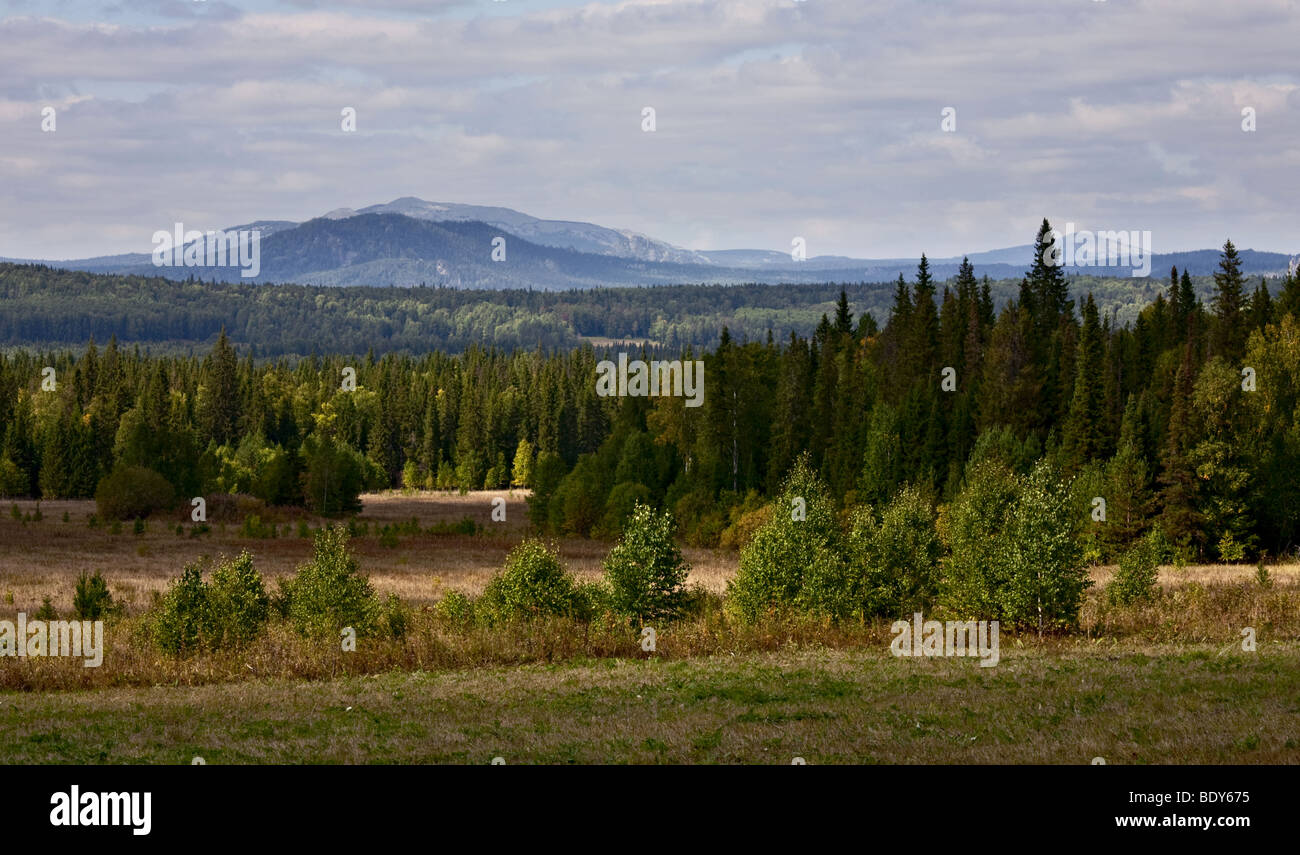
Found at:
[843, 317]
[1085, 427]
[223, 393]
[1129, 502]
[1261, 308]
[1179, 518]
[924, 346]
[1229, 307]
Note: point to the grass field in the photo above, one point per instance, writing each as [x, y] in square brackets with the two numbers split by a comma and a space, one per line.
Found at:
[826, 706]
[1165, 682]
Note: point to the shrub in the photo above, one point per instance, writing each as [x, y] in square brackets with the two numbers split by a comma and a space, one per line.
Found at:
[132, 492]
[91, 599]
[394, 619]
[467, 526]
[746, 520]
[1044, 564]
[229, 611]
[240, 605]
[894, 562]
[411, 476]
[455, 607]
[182, 622]
[46, 611]
[138, 526]
[13, 478]
[330, 591]
[1136, 578]
[253, 526]
[799, 541]
[972, 526]
[645, 569]
[1262, 577]
[533, 584]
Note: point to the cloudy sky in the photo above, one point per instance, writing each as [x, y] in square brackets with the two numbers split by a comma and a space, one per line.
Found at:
[774, 118]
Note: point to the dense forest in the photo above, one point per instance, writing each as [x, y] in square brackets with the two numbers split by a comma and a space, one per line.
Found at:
[1185, 421]
[45, 307]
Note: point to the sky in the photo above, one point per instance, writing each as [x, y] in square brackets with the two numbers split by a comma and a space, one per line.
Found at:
[773, 119]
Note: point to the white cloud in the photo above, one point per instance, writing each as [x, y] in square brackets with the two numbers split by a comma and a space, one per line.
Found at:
[772, 116]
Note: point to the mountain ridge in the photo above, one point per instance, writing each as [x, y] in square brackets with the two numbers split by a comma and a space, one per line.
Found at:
[411, 241]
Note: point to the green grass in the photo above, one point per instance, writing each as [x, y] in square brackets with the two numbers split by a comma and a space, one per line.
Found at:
[1157, 705]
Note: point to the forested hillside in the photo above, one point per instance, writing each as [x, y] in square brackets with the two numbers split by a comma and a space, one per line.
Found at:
[1185, 421]
[46, 307]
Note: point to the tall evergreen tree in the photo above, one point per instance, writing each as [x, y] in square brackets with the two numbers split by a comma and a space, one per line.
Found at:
[1229, 339]
[1085, 437]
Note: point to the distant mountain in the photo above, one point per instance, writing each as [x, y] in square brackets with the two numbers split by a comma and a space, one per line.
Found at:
[410, 241]
[562, 234]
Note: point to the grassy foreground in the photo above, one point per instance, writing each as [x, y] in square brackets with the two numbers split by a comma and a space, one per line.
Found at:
[1127, 704]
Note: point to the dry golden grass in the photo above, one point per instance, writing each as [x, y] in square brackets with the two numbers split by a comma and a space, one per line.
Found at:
[40, 559]
[1195, 604]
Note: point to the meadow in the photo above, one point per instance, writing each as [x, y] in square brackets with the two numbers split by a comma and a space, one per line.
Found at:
[1163, 681]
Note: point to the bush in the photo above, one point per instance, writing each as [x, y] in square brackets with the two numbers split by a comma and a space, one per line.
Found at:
[786, 550]
[182, 622]
[455, 607]
[973, 524]
[133, 492]
[1044, 564]
[91, 599]
[230, 611]
[746, 519]
[894, 563]
[394, 619]
[240, 605]
[645, 569]
[253, 526]
[330, 592]
[46, 611]
[1136, 578]
[533, 584]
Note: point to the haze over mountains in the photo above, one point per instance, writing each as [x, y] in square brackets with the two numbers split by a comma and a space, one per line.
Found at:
[410, 241]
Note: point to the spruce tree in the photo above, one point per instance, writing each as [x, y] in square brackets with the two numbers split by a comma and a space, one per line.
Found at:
[1085, 427]
[1229, 339]
[1178, 495]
